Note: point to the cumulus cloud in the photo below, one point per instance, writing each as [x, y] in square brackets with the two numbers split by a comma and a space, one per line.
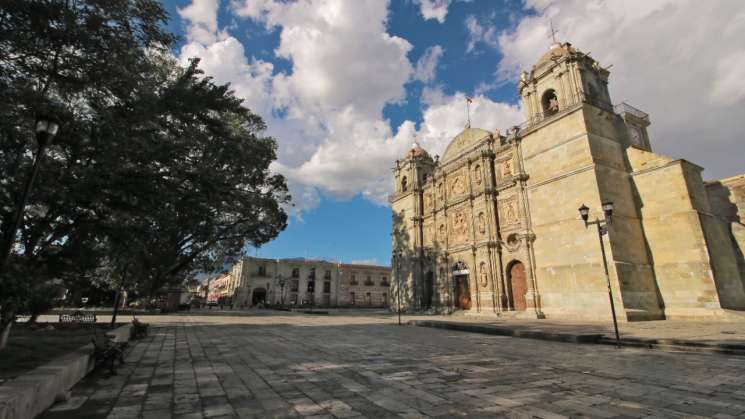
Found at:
[433, 9]
[477, 34]
[427, 64]
[202, 18]
[680, 62]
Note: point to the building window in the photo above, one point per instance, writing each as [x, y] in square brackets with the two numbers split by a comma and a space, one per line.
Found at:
[262, 270]
[404, 184]
[327, 286]
[354, 280]
[384, 282]
[369, 282]
[312, 274]
[351, 297]
[296, 272]
[550, 102]
[294, 285]
[327, 274]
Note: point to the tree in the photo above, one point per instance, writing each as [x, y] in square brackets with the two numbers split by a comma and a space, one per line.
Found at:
[156, 171]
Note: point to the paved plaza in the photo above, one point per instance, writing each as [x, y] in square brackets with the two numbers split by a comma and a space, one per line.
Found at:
[292, 365]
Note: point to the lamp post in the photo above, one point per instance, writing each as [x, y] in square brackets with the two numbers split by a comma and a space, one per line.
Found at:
[602, 226]
[397, 260]
[46, 128]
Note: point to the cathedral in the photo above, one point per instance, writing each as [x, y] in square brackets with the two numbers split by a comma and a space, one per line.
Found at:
[492, 227]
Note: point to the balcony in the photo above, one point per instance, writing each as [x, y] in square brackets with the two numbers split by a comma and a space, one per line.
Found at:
[624, 108]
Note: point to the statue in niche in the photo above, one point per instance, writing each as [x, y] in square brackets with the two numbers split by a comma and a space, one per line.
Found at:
[428, 201]
[442, 232]
[460, 228]
[483, 276]
[458, 186]
[511, 213]
[507, 168]
[441, 191]
[477, 175]
[428, 233]
[482, 223]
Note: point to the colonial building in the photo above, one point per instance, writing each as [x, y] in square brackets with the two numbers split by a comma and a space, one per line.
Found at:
[296, 282]
[493, 226]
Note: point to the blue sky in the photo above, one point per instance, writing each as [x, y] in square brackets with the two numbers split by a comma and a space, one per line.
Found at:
[346, 87]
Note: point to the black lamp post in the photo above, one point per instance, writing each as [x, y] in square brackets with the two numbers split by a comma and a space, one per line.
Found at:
[46, 128]
[397, 260]
[602, 226]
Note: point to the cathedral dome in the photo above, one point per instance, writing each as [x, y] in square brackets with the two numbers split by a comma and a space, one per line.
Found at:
[463, 141]
[556, 51]
[417, 151]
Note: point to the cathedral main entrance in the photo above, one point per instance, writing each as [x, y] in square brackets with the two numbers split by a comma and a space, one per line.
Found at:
[518, 286]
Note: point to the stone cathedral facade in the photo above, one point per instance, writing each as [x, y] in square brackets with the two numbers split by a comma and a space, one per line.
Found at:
[492, 227]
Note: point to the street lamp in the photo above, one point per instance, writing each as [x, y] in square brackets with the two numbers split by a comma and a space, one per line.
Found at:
[46, 128]
[602, 226]
[397, 260]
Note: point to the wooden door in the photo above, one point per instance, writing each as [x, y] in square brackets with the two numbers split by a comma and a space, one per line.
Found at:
[518, 286]
[463, 293]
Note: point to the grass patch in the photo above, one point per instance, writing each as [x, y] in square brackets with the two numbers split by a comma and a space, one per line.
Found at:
[31, 347]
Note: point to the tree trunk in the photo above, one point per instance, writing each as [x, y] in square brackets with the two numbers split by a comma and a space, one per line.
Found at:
[116, 307]
[5, 325]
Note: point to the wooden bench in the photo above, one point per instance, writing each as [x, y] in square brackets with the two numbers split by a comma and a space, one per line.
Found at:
[78, 317]
[107, 351]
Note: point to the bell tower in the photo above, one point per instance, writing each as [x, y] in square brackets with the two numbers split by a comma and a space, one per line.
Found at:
[563, 77]
[410, 174]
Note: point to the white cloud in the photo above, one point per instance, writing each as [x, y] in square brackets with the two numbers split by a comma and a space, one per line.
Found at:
[479, 34]
[680, 62]
[202, 17]
[433, 9]
[426, 66]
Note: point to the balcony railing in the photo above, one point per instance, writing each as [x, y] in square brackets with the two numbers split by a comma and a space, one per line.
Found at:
[624, 107]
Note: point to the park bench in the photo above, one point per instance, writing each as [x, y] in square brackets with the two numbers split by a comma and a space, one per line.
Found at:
[78, 317]
[106, 350]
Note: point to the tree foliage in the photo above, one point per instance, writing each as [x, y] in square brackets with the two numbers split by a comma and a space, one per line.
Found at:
[156, 171]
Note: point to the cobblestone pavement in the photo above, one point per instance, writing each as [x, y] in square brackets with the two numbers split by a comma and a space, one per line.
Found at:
[344, 367]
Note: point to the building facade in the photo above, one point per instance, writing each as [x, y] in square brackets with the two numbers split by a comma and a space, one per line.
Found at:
[493, 226]
[301, 282]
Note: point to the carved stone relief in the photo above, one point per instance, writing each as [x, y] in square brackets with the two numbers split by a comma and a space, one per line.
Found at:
[507, 168]
[509, 212]
[441, 191]
[427, 200]
[477, 177]
[459, 227]
[483, 275]
[429, 232]
[458, 185]
[481, 224]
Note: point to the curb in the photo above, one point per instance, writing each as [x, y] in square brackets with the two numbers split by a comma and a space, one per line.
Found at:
[669, 345]
[35, 391]
[506, 331]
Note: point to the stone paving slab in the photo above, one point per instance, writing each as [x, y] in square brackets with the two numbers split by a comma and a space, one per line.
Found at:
[356, 367]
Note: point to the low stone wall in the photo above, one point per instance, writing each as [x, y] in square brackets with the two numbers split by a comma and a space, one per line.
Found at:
[34, 392]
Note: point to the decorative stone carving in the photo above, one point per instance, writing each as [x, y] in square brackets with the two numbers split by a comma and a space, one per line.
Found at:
[427, 201]
[441, 191]
[477, 177]
[458, 185]
[507, 168]
[459, 228]
[483, 275]
[442, 233]
[481, 223]
[429, 232]
[509, 212]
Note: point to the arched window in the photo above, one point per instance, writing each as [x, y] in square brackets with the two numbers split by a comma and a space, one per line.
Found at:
[550, 102]
[404, 184]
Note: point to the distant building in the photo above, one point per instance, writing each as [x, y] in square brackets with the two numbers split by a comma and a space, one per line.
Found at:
[317, 282]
